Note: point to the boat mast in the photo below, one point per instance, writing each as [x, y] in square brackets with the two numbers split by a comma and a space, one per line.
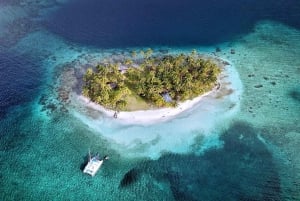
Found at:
[90, 155]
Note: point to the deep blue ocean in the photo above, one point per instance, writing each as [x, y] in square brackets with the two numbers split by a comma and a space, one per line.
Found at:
[42, 144]
[125, 23]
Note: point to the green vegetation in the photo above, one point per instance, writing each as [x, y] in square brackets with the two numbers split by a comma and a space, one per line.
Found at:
[149, 78]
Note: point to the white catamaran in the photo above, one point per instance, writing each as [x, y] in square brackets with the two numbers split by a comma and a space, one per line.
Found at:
[94, 164]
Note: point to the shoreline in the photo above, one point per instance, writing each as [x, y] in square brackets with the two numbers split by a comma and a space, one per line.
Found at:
[145, 116]
[152, 116]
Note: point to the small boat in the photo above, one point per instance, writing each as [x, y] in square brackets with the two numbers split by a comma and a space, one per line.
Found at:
[94, 164]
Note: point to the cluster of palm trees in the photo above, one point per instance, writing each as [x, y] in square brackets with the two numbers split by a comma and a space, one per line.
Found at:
[181, 77]
[106, 86]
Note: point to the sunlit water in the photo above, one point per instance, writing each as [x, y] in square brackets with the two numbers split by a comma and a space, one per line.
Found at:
[249, 151]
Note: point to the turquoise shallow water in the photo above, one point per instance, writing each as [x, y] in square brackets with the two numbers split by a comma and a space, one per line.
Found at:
[252, 154]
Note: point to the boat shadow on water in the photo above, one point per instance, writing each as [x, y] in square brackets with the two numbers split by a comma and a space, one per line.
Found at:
[85, 162]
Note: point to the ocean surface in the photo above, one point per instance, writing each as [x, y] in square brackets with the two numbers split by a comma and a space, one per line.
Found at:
[243, 147]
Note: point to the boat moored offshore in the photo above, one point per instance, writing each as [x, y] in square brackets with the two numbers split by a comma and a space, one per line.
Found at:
[94, 164]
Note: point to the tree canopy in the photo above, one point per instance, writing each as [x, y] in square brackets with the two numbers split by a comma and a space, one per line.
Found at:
[180, 77]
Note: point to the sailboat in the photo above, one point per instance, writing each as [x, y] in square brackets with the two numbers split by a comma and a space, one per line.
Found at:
[94, 164]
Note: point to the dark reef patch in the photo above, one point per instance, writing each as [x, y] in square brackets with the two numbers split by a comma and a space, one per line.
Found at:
[295, 94]
[130, 177]
[258, 86]
[242, 170]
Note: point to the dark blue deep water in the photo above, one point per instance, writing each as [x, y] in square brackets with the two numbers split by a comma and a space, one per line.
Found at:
[43, 146]
[20, 78]
[123, 23]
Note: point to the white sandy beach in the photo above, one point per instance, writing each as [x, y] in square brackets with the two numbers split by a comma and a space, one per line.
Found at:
[146, 116]
[159, 115]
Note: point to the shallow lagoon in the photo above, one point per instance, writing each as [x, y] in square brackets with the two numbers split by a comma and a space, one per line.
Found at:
[251, 153]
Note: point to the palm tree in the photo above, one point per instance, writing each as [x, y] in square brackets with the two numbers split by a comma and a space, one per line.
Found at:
[128, 62]
[148, 53]
[120, 105]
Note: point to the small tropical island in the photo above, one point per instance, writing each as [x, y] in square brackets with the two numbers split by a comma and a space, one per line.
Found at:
[145, 81]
